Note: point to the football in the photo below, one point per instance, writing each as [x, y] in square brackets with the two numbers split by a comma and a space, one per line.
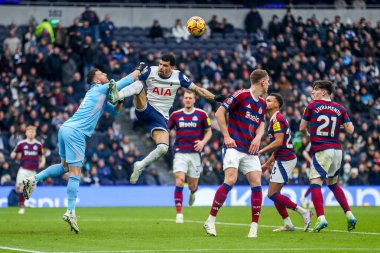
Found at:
[196, 26]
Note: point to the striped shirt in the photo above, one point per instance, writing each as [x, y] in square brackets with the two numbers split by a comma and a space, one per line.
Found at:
[190, 127]
[325, 119]
[30, 153]
[245, 115]
[279, 124]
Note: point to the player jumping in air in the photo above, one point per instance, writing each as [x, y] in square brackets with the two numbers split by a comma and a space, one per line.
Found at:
[72, 137]
[284, 159]
[152, 108]
[325, 119]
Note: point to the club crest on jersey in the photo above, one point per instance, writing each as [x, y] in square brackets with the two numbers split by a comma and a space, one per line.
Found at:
[229, 100]
[195, 118]
[260, 110]
[35, 147]
[186, 78]
[162, 91]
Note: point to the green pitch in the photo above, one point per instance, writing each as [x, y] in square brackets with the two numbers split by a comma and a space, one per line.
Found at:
[153, 229]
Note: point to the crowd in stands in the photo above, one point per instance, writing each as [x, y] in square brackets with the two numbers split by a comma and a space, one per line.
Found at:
[42, 83]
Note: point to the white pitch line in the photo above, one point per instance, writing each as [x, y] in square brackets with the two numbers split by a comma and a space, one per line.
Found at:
[20, 250]
[270, 226]
[223, 249]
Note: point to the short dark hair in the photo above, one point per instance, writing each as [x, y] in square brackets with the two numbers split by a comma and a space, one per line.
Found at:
[325, 85]
[279, 98]
[257, 75]
[91, 75]
[170, 58]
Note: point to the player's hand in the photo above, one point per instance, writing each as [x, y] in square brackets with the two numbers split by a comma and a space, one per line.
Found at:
[254, 147]
[265, 167]
[230, 143]
[142, 66]
[41, 165]
[220, 98]
[199, 145]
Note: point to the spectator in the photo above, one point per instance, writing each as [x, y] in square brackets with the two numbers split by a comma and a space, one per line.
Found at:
[106, 30]
[29, 39]
[11, 43]
[152, 178]
[45, 30]
[179, 31]
[60, 34]
[156, 31]
[253, 21]
[354, 179]
[90, 16]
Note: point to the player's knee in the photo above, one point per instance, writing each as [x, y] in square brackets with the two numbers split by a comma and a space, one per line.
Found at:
[179, 182]
[162, 149]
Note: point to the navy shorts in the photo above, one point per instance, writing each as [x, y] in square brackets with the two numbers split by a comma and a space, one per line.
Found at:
[152, 119]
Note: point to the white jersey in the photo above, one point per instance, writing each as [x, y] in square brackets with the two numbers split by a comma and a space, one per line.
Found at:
[161, 91]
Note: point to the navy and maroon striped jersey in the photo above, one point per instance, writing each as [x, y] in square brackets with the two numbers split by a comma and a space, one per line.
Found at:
[325, 119]
[245, 115]
[190, 127]
[279, 124]
[30, 153]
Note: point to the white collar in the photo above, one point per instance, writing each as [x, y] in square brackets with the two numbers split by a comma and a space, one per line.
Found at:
[253, 96]
[274, 115]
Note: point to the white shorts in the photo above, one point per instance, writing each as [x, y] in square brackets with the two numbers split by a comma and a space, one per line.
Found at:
[189, 163]
[243, 162]
[22, 174]
[326, 163]
[282, 170]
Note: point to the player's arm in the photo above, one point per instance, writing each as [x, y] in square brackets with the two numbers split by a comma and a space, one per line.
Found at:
[199, 144]
[279, 138]
[349, 127]
[206, 94]
[42, 162]
[303, 128]
[307, 156]
[268, 164]
[13, 155]
[255, 144]
[15, 151]
[124, 82]
[221, 115]
[114, 109]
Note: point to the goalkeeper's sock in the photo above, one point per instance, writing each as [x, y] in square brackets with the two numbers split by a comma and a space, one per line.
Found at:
[72, 192]
[51, 171]
[133, 89]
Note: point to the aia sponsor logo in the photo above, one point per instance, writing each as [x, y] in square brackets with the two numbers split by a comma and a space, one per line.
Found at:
[162, 91]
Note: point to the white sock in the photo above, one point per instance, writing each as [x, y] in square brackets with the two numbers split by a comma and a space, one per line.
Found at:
[71, 212]
[288, 221]
[156, 154]
[321, 218]
[133, 89]
[300, 210]
[349, 214]
[211, 218]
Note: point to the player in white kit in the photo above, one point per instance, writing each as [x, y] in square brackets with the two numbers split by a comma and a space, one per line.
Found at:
[153, 107]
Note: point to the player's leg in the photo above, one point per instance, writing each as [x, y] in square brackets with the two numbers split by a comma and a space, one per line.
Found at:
[280, 174]
[230, 177]
[318, 172]
[161, 138]
[51, 171]
[178, 194]
[193, 175]
[72, 192]
[304, 202]
[141, 101]
[114, 95]
[254, 179]
[21, 175]
[332, 182]
[281, 208]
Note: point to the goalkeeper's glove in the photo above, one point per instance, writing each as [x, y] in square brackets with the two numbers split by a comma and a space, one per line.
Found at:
[142, 66]
[220, 97]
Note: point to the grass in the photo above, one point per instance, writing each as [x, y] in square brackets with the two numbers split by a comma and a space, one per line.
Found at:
[153, 229]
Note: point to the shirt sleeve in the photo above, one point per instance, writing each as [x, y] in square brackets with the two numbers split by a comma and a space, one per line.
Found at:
[279, 126]
[307, 113]
[345, 118]
[184, 80]
[18, 148]
[230, 103]
[206, 123]
[171, 122]
[144, 75]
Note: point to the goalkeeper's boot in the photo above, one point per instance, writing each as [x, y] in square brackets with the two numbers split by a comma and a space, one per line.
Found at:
[72, 220]
[191, 199]
[113, 96]
[351, 223]
[209, 226]
[285, 228]
[137, 169]
[321, 224]
[29, 184]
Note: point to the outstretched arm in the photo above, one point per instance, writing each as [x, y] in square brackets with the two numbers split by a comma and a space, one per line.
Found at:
[206, 94]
